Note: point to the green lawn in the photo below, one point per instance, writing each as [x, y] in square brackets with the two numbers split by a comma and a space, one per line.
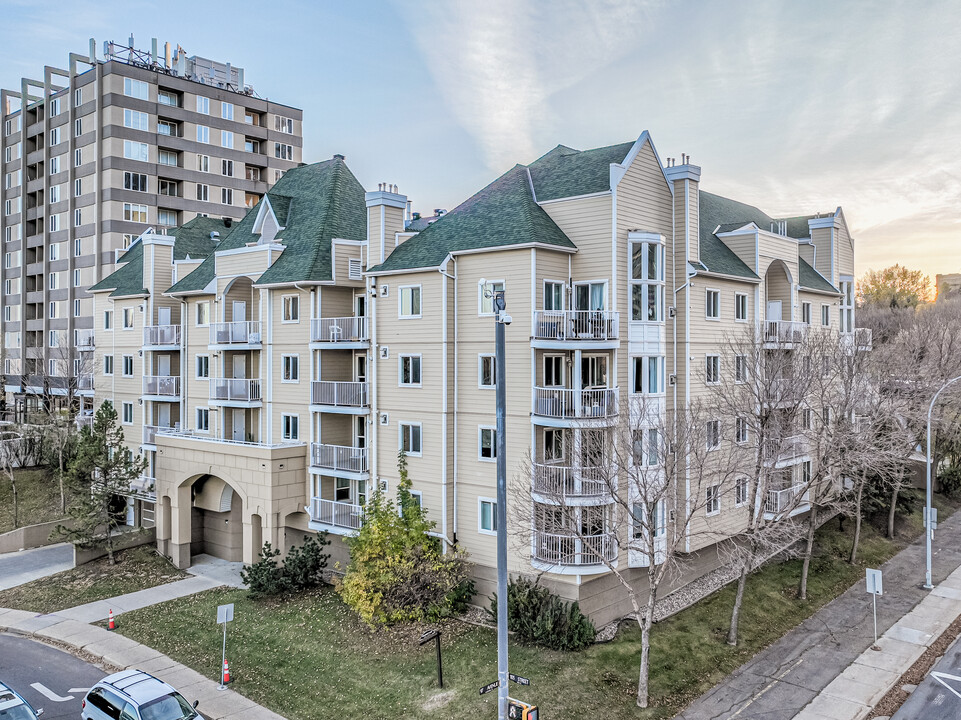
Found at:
[310, 657]
[136, 569]
[38, 495]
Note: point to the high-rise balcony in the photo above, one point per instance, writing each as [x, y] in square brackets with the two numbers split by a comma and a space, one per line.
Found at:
[235, 392]
[576, 485]
[342, 332]
[162, 387]
[553, 551]
[161, 337]
[339, 397]
[786, 501]
[551, 327]
[85, 384]
[783, 333]
[568, 404]
[150, 432]
[235, 335]
[339, 517]
[85, 340]
[338, 460]
[784, 450]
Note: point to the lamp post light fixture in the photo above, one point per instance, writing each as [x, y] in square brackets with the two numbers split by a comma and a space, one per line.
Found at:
[928, 530]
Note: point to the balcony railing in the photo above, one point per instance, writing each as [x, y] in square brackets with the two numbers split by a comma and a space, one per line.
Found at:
[784, 500]
[343, 394]
[337, 514]
[563, 482]
[558, 402]
[163, 385]
[338, 457]
[335, 330]
[84, 421]
[234, 389]
[235, 333]
[154, 335]
[860, 339]
[784, 331]
[144, 485]
[576, 325]
[85, 340]
[150, 432]
[85, 382]
[784, 448]
[572, 550]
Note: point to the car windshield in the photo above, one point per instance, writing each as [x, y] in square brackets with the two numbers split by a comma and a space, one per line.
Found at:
[17, 712]
[168, 707]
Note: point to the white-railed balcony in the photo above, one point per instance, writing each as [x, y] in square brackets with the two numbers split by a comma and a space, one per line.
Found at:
[575, 326]
[339, 517]
[161, 337]
[338, 460]
[342, 331]
[84, 421]
[150, 432]
[162, 387]
[144, 487]
[861, 340]
[562, 484]
[559, 403]
[778, 333]
[236, 335]
[85, 340]
[339, 397]
[786, 500]
[85, 384]
[784, 450]
[552, 551]
[236, 392]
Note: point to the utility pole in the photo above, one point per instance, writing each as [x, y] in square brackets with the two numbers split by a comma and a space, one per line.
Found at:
[928, 511]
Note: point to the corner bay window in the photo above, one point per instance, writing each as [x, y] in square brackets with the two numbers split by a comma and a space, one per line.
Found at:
[647, 281]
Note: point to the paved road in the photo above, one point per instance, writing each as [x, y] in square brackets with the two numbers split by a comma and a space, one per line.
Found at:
[938, 697]
[781, 680]
[47, 677]
[17, 568]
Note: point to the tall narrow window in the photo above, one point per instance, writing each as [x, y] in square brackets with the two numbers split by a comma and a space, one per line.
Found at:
[647, 280]
[712, 304]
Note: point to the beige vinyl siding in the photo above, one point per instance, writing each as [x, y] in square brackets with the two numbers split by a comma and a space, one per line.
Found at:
[343, 253]
[253, 262]
[805, 251]
[334, 302]
[845, 251]
[375, 230]
[821, 237]
[744, 245]
[587, 222]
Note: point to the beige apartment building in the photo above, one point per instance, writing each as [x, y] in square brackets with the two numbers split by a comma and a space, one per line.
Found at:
[97, 153]
[289, 357]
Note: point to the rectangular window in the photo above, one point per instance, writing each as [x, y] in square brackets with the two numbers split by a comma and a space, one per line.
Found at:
[553, 296]
[283, 151]
[740, 306]
[740, 368]
[826, 417]
[553, 371]
[203, 419]
[826, 315]
[78, 97]
[712, 499]
[712, 304]
[135, 213]
[410, 370]
[647, 281]
[487, 444]
[486, 292]
[652, 446]
[203, 312]
[226, 196]
[77, 277]
[78, 157]
[226, 139]
[554, 445]
[135, 119]
[54, 193]
[226, 111]
[806, 419]
[410, 301]
[203, 367]
[410, 438]
[713, 434]
[54, 136]
[127, 318]
[290, 368]
[127, 413]
[806, 313]
[486, 371]
[54, 107]
[54, 338]
[227, 167]
[203, 105]
[648, 375]
[291, 308]
[108, 364]
[77, 247]
[54, 223]
[203, 134]
[108, 319]
[740, 430]
[740, 491]
[128, 365]
[76, 307]
[167, 98]
[135, 181]
[168, 158]
[203, 192]
[712, 370]
[136, 89]
[136, 150]
[290, 427]
[54, 165]
[284, 124]
[52, 281]
[52, 310]
[487, 516]
[77, 217]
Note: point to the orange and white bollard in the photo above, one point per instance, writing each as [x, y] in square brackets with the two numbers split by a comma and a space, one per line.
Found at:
[110, 623]
[226, 672]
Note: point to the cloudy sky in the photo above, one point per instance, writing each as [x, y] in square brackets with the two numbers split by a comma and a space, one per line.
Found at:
[794, 106]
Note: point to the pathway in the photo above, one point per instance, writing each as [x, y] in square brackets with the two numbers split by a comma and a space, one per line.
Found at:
[17, 568]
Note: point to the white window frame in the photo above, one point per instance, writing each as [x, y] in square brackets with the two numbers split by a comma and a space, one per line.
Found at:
[128, 319]
[136, 88]
[288, 303]
[553, 284]
[200, 304]
[806, 312]
[197, 367]
[203, 134]
[123, 366]
[289, 363]
[227, 111]
[712, 301]
[482, 302]
[420, 370]
[400, 437]
[742, 488]
[712, 500]
[742, 431]
[203, 192]
[740, 369]
[825, 315]
[126, 408]
[400, 302]
[108, 364]
[205, 412]
[645, 283]
[481, 357]
[481, 429]
[290, 426]
[480, 515]
[709, 361]
[227, 139]
[108, 320]
[717, 434]
[203, 105]
[739, 298]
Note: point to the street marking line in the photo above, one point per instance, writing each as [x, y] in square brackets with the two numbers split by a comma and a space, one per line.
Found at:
[78, 690]
[768, 687]
[941, 677]
[48, 693]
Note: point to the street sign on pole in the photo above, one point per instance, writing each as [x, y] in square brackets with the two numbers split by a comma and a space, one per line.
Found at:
[225, 613]
[872, 579]
[518, 679]
[490, 686]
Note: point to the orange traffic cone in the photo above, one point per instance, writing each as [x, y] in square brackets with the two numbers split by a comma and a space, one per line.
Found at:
[226, 672]
[110, 623]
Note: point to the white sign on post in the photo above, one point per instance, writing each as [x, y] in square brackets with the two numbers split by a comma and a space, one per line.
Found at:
[873, 580]
[225, 613]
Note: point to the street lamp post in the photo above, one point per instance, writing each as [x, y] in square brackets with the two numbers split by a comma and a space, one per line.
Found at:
[927, 498]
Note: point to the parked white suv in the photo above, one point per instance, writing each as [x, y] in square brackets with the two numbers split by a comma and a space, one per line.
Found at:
[135, 695]
[14, 707]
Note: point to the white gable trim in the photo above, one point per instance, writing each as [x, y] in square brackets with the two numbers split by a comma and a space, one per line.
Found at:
[618, 170]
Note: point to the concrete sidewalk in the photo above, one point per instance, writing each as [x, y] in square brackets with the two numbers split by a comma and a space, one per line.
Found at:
[784, 679]
[120, 652]
[99, 609]
[17, 568]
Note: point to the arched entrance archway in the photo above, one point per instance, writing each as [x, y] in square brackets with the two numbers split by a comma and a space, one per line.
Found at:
[216, 519]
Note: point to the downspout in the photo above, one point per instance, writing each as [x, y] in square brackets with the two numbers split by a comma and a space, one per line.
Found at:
[444, 370]
[371, 289]
[687, 357]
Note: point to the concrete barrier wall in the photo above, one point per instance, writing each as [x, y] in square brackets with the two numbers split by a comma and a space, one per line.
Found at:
[30, 536]
[123, 541]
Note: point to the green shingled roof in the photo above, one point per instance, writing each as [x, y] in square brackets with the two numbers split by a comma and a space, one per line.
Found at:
[128, 279]
[193, 237]
[314, 204]
[502, 214]
[564, 172]
[810, 278]
[729, 214]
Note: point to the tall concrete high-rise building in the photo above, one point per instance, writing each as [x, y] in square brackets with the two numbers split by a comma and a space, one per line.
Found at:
[95, 155]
